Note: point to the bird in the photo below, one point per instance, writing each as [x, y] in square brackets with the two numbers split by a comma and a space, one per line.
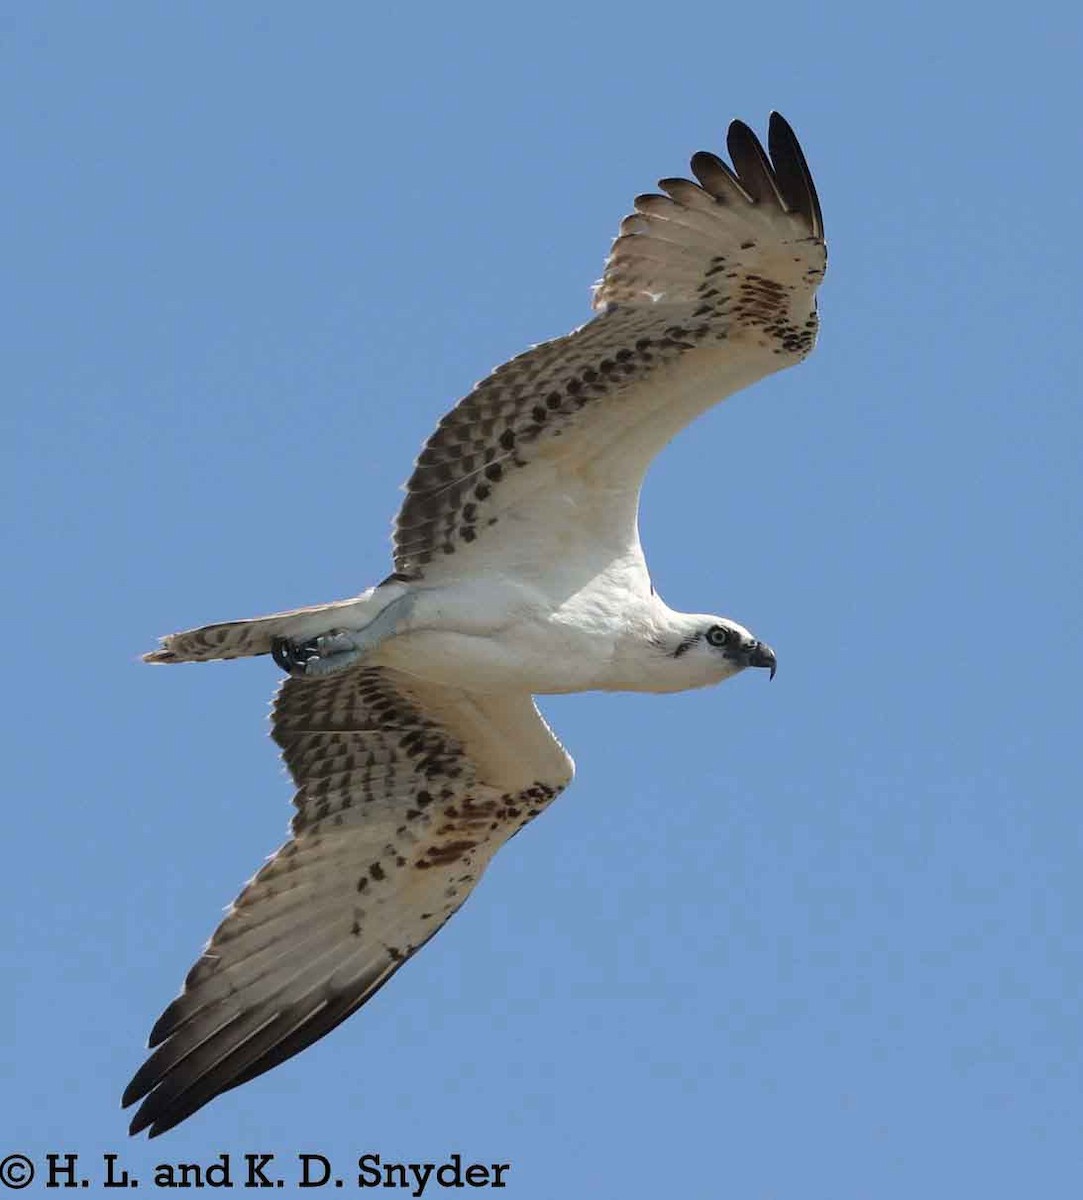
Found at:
[407, 717]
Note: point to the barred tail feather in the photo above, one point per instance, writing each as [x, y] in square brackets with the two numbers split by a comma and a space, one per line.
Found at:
[244, 639]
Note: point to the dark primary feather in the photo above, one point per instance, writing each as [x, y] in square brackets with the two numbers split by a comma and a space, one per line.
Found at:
[793, 174]
[753, 166]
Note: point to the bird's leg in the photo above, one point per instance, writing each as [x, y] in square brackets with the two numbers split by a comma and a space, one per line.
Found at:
[339, 649]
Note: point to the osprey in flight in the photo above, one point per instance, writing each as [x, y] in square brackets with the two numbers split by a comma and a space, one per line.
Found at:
[407, 719]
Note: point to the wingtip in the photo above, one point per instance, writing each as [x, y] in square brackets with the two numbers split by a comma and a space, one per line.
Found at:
[137, 1089]
[740, 128]
[166, 1024]
[149, 1120]
[137, 1124]
[739, 134]
[792, 169]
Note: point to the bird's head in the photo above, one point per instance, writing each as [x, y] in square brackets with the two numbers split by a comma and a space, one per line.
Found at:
[710, 649]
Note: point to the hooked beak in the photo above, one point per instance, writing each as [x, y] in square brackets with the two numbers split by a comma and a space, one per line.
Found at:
[761, 655]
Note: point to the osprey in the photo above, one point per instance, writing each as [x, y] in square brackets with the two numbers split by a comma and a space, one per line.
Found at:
[407, 719]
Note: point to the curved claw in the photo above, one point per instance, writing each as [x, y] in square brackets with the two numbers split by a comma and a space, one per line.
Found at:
[326, 654]
[293, 657]
[338, 649]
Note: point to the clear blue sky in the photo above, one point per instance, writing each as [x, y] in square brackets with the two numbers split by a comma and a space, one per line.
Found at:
[817, 939]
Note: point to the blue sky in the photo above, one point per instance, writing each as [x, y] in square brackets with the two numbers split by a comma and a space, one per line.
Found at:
[812, 939]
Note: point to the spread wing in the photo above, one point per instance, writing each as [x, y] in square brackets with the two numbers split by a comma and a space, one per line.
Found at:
[708, 288]
[405, 791]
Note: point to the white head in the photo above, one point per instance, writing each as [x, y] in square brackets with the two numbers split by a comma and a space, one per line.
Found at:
[703, 650]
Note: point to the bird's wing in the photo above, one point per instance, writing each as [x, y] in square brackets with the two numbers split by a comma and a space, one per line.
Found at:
[708, 288]
[405, 791]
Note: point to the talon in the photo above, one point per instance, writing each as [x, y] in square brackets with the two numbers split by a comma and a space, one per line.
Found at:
[282, 653]
[294, 657]
[324, 655]
[338, 649]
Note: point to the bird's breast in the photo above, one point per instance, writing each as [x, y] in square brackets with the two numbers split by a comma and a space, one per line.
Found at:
[497, 635]
[536, 657]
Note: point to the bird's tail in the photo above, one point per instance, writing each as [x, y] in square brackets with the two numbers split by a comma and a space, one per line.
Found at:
[242, 639]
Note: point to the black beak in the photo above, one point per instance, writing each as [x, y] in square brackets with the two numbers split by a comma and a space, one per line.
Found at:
[761, 655]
